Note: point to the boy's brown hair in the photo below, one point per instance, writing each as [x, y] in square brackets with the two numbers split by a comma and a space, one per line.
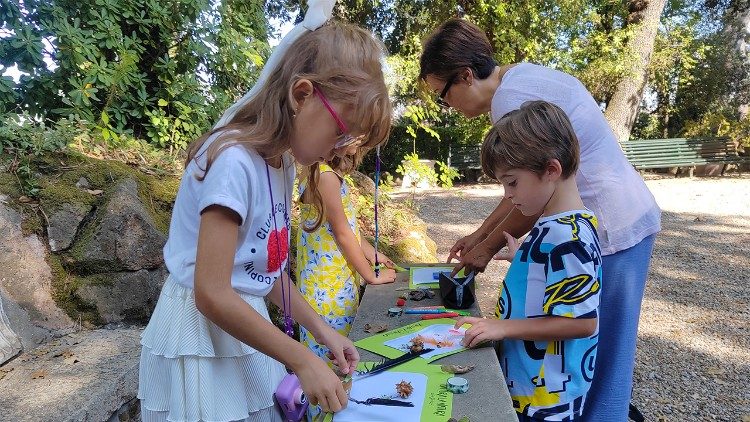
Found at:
[528, 138]
[454, 45]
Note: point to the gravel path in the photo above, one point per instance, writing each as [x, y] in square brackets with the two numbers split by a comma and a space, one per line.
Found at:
[693, 361]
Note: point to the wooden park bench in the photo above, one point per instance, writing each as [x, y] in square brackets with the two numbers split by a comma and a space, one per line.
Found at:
[682, 152]
[467, 160]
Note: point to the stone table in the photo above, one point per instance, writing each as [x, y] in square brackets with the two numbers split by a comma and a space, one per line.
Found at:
[488, 398]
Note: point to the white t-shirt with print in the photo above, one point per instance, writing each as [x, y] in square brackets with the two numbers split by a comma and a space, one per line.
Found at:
[608, 184]
[237, 180]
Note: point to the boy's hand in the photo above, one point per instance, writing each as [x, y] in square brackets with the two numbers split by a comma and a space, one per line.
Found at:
[481, 330]
[513, 245]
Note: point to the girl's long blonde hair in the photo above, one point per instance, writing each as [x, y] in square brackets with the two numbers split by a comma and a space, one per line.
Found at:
[311, 195]
[341, 60]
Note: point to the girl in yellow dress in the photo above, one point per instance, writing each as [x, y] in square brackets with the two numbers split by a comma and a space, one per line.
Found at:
[331, 256]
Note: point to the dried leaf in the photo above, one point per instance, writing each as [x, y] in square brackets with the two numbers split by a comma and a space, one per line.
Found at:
[417, 295]
[715, 371]
[94, 191]
[375, 328]
[38, 374]
[457, 369]
[4, 372]
[25, 199]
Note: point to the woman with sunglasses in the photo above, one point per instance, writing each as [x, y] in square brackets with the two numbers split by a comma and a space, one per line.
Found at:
[457, 64]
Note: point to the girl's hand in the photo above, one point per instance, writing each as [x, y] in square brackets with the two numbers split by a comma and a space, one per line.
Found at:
[321, 386]
[385, 276]
[345, 354]
[481, 330]
[384, 260]
[513, 245]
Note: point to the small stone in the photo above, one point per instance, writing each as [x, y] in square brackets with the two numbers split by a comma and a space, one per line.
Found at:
[82, 183]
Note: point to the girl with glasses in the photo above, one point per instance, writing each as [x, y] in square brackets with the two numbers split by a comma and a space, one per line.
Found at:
[210, 352]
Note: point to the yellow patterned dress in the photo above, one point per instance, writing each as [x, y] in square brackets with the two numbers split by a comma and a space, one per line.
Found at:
[328, 283]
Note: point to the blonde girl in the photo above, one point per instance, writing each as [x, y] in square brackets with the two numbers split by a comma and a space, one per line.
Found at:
[331, 255]
[210, 351]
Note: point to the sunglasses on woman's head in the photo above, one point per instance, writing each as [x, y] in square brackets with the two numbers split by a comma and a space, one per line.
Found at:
[345, 139]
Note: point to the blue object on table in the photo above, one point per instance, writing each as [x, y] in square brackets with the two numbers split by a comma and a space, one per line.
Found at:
[424, 311]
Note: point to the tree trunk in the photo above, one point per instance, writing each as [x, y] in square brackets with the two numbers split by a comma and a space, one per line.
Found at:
[622, 109]
[741, 9]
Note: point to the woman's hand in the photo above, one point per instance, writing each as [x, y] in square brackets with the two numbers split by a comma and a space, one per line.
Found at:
[464, 245]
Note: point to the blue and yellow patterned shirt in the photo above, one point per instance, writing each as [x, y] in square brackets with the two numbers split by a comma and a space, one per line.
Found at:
[556, 272]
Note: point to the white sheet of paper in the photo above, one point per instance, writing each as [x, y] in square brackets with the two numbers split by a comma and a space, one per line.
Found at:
[425, 275]
[382, 384]
[438, 333]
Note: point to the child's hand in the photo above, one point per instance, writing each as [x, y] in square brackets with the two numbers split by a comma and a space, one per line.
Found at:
[513, 245]
[385, 276]
[345, 354]
[481, 330]
[321, 386]
[384, 260]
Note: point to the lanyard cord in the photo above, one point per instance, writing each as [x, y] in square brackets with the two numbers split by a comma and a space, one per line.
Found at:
[286, 292]
[377, 226]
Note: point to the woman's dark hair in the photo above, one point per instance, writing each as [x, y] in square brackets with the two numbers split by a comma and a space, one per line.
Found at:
[454, 45]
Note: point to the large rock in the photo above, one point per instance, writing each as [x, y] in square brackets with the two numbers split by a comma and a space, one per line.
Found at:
[10, 342]
[25, 284]
[124, 297]
[63, 225]
[86, 376]
[125, 236]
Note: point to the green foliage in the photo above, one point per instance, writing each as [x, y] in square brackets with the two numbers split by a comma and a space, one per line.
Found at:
[23, 140]
[446, 175]
[157, 69]
[417, 171]
[420, 172]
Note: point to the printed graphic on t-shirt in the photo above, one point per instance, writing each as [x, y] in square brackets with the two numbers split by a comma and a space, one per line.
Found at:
[276, 236]
[556, 272]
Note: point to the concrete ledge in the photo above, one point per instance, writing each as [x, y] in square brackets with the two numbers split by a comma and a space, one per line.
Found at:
[85, 376]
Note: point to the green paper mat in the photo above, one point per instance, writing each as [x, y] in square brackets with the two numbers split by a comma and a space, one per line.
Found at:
[376, 343]
[436, 407]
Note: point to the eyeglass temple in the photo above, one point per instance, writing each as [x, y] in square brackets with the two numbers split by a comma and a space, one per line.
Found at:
[339, 122]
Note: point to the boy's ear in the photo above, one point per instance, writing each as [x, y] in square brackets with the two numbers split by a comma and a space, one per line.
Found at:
[301, 92]
[554, 170]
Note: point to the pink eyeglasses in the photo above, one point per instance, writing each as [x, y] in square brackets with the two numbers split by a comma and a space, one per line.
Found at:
[346, 139]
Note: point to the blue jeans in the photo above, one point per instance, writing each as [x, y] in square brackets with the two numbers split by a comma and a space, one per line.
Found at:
[623, 282]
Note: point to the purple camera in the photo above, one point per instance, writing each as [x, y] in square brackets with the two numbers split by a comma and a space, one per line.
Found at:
[291, 398]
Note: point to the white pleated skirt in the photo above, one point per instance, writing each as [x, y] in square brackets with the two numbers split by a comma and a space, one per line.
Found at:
[191, 370]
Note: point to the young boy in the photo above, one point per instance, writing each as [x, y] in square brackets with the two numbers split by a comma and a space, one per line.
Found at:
[547, 313]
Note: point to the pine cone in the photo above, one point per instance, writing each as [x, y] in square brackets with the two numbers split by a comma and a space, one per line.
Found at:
[404, 389]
